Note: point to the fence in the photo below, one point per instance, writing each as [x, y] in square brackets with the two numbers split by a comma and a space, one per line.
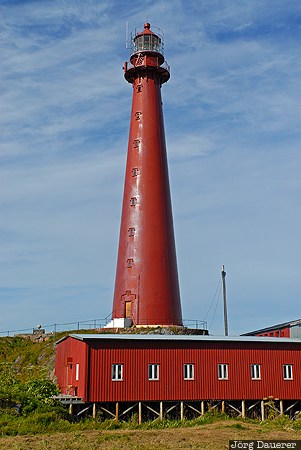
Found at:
[93, 324]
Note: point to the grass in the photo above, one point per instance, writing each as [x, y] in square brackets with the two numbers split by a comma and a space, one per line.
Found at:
[57, 420]
[205, 433]
[25, 358]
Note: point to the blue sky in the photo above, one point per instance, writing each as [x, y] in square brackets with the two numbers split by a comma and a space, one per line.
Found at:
[232, 117]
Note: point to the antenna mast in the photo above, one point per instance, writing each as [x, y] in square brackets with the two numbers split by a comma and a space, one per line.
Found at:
[127, 34]
[225, 300]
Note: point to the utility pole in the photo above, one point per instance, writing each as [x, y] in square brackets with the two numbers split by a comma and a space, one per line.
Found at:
[225, 300]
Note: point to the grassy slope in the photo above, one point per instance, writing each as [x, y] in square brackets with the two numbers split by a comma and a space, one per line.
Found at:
[27, 359]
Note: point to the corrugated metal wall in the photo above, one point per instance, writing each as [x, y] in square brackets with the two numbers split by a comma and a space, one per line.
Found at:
[71, 363]
[277, 332]
[205, 355]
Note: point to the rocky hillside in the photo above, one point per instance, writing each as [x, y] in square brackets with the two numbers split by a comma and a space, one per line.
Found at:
[27, 359]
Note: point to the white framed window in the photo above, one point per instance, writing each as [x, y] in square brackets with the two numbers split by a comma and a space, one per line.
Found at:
[77, 372]
[255, 372]
[117, 372]
[287, 372]
[222, 370]
[153, 371]
[188, 370]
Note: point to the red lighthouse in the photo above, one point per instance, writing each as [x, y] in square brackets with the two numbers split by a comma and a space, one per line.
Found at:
[146, 285]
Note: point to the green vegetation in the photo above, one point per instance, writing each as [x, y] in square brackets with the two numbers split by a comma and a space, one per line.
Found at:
[55, 419]
[25, 359]
[26, 388]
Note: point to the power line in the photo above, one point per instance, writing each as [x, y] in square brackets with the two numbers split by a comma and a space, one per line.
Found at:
[217, 291]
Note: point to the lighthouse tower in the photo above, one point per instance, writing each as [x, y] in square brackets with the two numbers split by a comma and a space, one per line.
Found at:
[146, 285]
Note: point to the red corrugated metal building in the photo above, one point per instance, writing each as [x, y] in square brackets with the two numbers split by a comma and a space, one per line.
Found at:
[290, 329]
[128, 368]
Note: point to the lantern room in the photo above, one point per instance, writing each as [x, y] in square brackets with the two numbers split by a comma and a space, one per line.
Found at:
[147, 41]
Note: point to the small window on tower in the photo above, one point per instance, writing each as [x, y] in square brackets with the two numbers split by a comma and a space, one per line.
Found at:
[135, 171]
[129, 263]
[139, 61]
[138, 115]
[139, 88]
[133, 201]
[136, 143]
[131, 231]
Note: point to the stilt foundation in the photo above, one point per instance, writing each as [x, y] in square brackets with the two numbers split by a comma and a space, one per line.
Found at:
[261, 409]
